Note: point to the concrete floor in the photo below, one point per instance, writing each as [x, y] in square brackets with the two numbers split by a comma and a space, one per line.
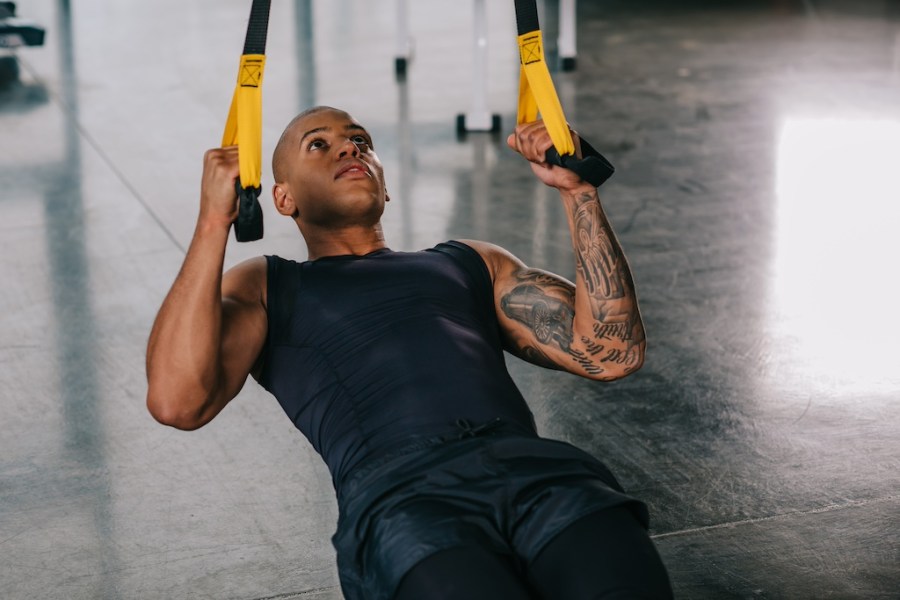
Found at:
[757, 198]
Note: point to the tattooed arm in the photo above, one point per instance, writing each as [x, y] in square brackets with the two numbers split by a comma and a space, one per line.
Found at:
[593, 327]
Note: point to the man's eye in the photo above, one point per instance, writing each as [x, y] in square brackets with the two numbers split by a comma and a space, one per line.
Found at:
[316, 145]
[360, 140]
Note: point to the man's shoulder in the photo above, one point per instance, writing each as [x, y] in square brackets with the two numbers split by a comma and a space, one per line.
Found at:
[246, 281]
[251, 267]
[464, 250]
[496, 258]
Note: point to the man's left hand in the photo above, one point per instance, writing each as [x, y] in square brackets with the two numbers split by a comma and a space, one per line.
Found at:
[532, 140]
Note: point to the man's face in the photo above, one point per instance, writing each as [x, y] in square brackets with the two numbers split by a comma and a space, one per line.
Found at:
[332, 172]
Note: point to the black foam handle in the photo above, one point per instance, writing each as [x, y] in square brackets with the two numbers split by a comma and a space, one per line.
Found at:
[592, 167]
[249, 224]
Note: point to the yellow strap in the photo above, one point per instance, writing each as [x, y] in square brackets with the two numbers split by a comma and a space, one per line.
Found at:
[536, 93]
[244, 125]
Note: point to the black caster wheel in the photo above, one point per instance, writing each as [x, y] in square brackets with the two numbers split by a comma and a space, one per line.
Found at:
[400, 65]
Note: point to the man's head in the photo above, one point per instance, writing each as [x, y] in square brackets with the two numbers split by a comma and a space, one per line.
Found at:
[327, 174]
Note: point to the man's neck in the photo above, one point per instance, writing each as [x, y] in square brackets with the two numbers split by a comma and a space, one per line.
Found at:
[357, 241]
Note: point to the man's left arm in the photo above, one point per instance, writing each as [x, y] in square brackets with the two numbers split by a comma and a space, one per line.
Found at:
[593, 327]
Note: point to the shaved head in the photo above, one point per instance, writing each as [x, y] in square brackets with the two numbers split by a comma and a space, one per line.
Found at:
[327, 174]
[279, 161]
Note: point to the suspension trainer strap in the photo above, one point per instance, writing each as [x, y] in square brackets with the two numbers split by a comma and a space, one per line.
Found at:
[244, 125]
[537, 94]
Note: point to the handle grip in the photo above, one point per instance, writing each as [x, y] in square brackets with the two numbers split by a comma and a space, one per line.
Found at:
[593, 167]
[248, 227]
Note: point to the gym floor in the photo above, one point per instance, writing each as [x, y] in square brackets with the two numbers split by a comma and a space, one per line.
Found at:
[756, 196]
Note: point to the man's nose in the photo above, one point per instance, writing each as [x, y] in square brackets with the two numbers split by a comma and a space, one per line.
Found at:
[348, 148]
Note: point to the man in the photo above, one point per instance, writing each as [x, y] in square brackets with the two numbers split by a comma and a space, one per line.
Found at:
[391, 363]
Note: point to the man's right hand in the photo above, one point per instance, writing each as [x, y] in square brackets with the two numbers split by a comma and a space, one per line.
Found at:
[218, 198]
[211, 328]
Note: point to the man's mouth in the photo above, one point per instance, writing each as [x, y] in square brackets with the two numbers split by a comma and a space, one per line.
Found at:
[352, 169]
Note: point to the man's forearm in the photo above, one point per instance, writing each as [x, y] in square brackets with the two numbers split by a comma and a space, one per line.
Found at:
[184, 346]
[607, 320]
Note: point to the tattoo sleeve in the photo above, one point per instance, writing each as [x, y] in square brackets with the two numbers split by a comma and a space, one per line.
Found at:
[606, 337]
[596, 255]
[549, 317]
[607, 278]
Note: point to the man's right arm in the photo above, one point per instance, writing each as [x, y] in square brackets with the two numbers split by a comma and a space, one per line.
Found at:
[211, 328]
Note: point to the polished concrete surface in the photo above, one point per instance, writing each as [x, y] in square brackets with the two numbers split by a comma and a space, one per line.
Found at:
[757, 198]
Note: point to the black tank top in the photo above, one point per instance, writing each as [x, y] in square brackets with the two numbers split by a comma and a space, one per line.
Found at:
[369, 354]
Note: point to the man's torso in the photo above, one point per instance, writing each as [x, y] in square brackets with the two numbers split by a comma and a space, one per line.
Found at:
[368, 354]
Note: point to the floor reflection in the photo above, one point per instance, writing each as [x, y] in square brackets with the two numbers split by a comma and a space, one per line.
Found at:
[86, 473]
[834, 287]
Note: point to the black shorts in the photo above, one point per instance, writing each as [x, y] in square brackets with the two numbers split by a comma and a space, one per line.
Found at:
[509, 494]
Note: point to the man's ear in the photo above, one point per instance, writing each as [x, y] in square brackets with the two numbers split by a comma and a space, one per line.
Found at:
[284, 201]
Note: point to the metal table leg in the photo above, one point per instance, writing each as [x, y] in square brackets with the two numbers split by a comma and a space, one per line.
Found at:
[567, 44]
[479, 117]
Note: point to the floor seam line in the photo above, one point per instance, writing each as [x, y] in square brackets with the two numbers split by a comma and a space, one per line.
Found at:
[289, 595]
[814, 511]
[82, 131]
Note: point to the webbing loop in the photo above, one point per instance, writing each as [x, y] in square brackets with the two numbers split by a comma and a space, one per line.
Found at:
[538, 95]
[243, 127]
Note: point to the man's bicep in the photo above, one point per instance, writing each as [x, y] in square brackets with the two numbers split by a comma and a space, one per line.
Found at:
[244, 322]
[536, 310]
[244, 330]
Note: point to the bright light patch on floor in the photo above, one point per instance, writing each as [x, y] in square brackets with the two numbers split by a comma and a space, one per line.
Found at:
[836, 289]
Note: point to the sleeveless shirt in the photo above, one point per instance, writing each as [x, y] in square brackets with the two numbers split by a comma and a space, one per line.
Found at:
[370, 354]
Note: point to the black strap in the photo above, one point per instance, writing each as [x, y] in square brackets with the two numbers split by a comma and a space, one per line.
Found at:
[526, 16]
[257, 27]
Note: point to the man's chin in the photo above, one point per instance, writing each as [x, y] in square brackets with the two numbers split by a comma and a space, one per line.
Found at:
[356, 214]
